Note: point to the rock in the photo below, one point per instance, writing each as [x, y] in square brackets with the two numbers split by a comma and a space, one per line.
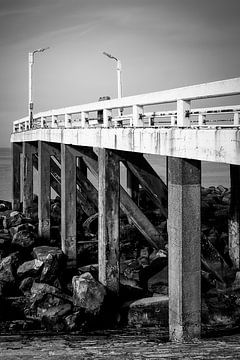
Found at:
[5, 205]
[30, 268]
[26, 226]
[15, 307]
[5, 239]
[43, 297]
[24, 239]
[39, 290]
[26, 285]
[73, 321]
[158, 282]
[91, 268]
[151, 311]
[156, 266]
[129, 290]
[41, 253]
[8, 268]
[18, 326]
[54, 262]
[51, 269]
[88, 293]
[53, 318]
[13, 218]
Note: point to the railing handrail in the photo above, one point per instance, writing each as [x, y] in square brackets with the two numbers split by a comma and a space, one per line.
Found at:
[182, 96]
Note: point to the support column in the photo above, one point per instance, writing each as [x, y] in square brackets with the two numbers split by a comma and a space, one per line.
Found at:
[68, 205]
[184, 246]
[234, 216]
[108, 219]
[44, 190]
[28, 151]
[16, 178]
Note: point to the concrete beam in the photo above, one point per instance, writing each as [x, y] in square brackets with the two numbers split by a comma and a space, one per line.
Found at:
[44, 190]
[211, 144]
[147, 177]
[16, 150]
[68, 205]
[28, 150]
[184, 239]
[234, 216]
[108, 220]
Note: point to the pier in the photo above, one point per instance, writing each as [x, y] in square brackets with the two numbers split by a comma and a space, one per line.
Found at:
[65, 144]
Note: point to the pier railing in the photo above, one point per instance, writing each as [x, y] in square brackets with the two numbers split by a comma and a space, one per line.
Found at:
[134, 114]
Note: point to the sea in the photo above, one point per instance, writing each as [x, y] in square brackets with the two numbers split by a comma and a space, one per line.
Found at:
[213, 174]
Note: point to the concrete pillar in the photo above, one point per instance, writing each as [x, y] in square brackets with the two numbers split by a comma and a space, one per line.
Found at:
[16, 149]
[108, 219]
[234, 216]
[28, 151]
[184, 246]
[68, 205]
[44, 190]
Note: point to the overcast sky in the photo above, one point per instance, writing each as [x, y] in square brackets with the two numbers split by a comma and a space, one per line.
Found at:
[162, 44]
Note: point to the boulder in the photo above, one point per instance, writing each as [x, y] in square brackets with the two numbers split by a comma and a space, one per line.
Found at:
[39, 290]
[5, 205]
[54, 317]
[43, 297]
[25, 226]
[42, 252]
[8, 268]
[13, 218]
[26, 285]
[88, 294]
[151, 311]
[15, 307]
[30, 268]
[51, 269]
[73, 321]
[24, 240]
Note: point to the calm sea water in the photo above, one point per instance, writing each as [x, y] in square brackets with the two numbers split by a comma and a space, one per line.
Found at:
[212, 173]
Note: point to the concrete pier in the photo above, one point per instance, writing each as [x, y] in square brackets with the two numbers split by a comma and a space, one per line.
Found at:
[28, 150]
[44, 190]
[184, 135]
[68, 204]
[184, 239]
[16, 150]
[108, 223]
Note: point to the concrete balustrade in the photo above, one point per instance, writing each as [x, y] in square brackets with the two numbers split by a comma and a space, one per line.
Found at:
[181, 96]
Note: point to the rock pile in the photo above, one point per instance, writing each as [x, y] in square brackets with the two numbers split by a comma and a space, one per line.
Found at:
[36, 289]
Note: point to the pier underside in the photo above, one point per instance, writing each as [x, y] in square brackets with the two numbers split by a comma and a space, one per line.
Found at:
[65, 158]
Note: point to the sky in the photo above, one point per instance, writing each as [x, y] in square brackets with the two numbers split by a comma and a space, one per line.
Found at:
[162, 44]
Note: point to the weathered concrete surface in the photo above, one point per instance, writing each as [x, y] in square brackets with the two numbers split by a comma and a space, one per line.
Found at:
[68, 205]
[121, 345]
[16, 181]
[211, 144]
[44, 190]
[108, 219]
[184, 239]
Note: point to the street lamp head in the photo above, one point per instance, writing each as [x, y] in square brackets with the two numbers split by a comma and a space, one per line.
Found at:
[41, 49]
[110, 56]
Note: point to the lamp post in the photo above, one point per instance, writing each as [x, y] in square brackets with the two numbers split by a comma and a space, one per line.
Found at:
[119, 78]
[30, 71]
